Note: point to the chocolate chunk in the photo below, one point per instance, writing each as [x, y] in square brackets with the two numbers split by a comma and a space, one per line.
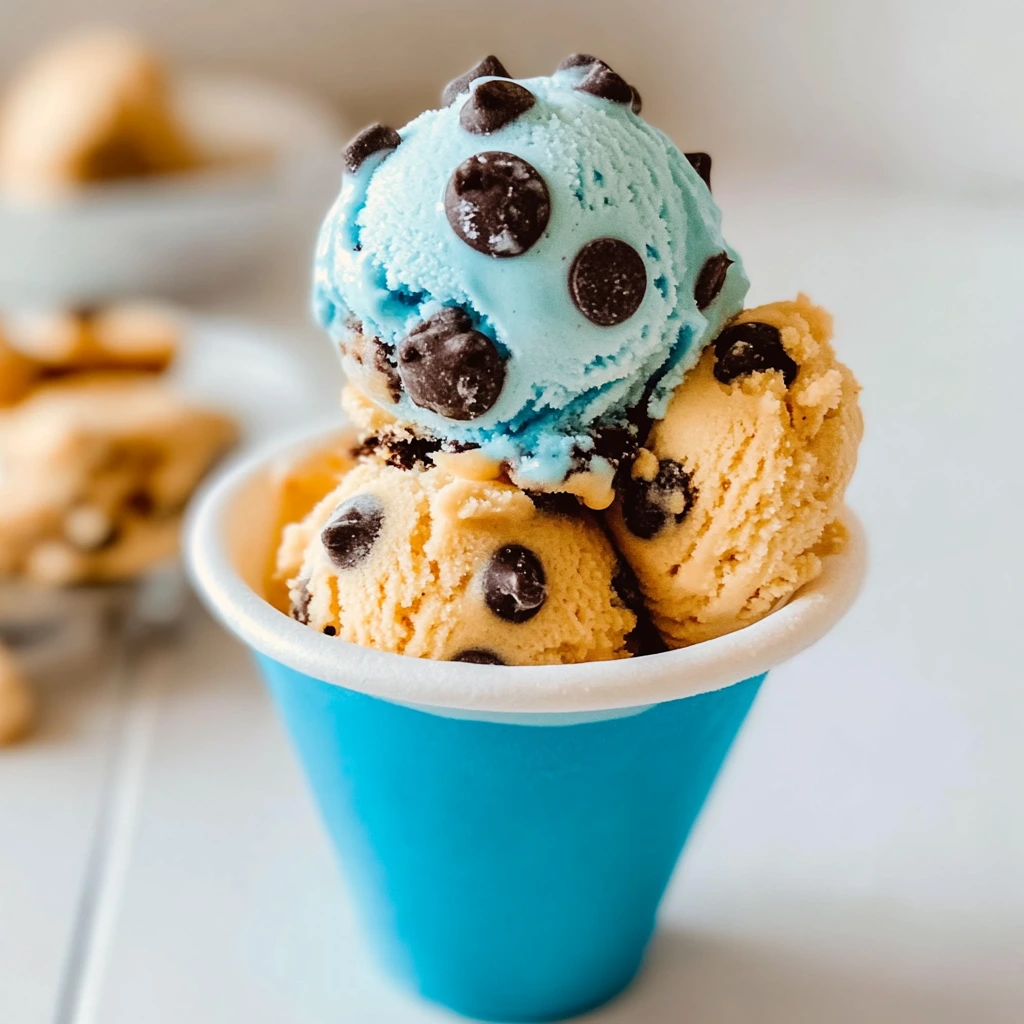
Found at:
[489, 67]
[449, 368]
[492, 105]
[644, 638]
[479, 656]
[701, 163]
[555, 503]
[300, 603]
[355, 525]
[627, 587]
[647, 505]
[604, 83]
[607, 281]
[374, 139]
[636, 104]
[515, 586]
[711, 279]
[576, 60]
[409, 452]
[330, 631]
[497, 204]
[752, 347]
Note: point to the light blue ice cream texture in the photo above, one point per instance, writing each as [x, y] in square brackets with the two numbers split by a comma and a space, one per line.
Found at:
[387, 260]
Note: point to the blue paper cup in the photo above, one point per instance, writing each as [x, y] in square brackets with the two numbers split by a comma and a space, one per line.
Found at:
[508, 832]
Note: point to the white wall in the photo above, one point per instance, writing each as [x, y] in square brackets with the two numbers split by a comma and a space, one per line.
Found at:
[912, 91]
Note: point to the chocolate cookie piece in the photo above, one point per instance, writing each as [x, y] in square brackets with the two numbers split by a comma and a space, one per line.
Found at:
[648, 505]
[607, 281]
[449, 368]
[376, 138]
[350, 534]
[487, 68]
[497, 203]
[752, 347]
[492, 105]
[514, 584]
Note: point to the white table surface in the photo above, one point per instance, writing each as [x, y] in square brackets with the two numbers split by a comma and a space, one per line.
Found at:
[861, 858]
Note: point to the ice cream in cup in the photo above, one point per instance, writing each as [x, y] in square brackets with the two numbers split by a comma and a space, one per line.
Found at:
[508, 831]
[515, 618]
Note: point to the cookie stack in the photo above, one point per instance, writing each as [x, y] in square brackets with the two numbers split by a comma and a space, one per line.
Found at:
[98, 456]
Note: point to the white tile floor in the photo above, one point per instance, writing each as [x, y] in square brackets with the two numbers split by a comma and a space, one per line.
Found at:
[861, 858]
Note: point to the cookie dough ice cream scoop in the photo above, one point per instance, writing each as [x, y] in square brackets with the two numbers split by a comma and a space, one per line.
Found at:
[529, 269]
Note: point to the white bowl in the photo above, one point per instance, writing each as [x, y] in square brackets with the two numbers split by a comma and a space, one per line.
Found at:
[182, 234]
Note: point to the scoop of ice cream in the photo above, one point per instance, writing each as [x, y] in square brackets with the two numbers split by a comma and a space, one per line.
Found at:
[737, 496]
[524, 267]
[420, 562]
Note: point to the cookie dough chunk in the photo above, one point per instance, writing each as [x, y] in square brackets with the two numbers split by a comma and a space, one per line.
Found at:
[95, 107]
[738, 494]
[419, 562]
[127, 336]
[96, 471]
[17, 702]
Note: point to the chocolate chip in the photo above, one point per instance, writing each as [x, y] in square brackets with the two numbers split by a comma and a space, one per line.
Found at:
[330, 631]
[489, 67]
[479, 656]
[140, 502]
[374, 139]
[701, 163]
[647, 505]
[636, 104]
[497, 204]
[300, 602]
[607, 281]
[449, 368]
[382, 356]
[711, 279]
[604, 83]
[576, 60]
[349, 535]
[752, 347]
[515, 586]
[493, 105]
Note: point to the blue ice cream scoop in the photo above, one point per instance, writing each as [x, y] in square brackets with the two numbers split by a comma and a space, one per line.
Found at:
[530, 269]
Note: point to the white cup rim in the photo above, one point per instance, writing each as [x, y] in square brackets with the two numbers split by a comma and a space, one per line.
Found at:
[498, 690]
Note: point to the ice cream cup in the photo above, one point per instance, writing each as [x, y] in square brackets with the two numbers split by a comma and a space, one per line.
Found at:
[507, 832]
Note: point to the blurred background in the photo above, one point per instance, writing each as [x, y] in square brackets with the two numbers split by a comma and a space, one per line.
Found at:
[159, 860]
[911, 92]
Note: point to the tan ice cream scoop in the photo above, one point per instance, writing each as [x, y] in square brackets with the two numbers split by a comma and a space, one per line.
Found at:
[739, 491]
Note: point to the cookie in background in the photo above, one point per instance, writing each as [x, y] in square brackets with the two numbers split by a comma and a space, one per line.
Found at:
[100, 454]
[91, 108]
